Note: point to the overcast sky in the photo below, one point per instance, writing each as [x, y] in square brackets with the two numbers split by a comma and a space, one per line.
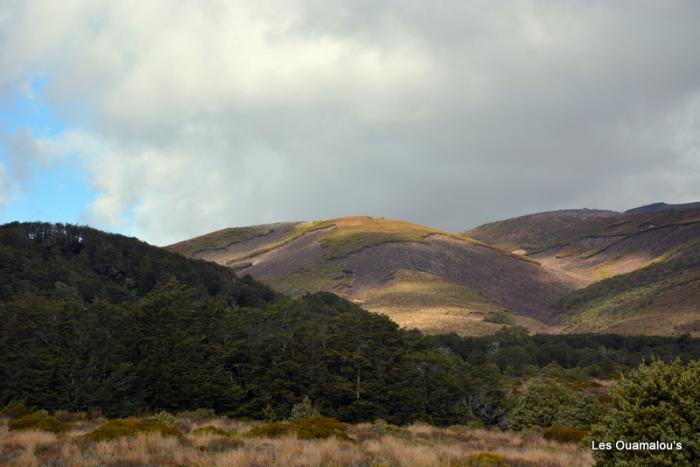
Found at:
[168, 119]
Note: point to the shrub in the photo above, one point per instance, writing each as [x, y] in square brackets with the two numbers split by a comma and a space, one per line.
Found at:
[119, 428]
[304, 409]
[40, 421]
[15, 409]
[656, 402]
[164, 417]
[321, 428]
[485, 459]
[582, 414]
[540, 405]
[563, 434]
[271, 430]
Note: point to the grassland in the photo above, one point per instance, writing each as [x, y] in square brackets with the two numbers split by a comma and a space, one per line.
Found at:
[424, 301]
[211, 441]
[218, 239]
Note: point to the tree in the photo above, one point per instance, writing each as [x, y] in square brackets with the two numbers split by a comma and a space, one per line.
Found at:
[659, 402]
[540, 405]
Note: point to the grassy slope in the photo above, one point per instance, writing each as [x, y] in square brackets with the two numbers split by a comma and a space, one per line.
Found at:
[423, 301]
[641, 298]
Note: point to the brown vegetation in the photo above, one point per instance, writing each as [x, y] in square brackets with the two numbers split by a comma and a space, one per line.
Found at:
[216, 442]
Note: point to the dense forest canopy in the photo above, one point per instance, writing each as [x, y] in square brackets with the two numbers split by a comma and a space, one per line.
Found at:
[93, 320]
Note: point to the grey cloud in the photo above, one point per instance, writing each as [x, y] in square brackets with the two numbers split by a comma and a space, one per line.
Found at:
[231, 113]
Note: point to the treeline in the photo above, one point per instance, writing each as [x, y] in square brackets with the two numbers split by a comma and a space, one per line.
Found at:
[514, 352]
[90, 320]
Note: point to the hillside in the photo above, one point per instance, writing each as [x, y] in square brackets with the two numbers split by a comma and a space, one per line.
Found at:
[418, 276]
[95, 321]
[638, 270]
[60, 261]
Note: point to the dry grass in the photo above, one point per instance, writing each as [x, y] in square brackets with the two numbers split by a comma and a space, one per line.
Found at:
[415, 445]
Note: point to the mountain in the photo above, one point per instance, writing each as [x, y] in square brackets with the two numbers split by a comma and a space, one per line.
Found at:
[638, 271]
[419, 276]
[655, 207]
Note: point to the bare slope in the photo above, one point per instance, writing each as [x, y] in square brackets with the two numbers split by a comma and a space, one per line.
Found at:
[421, 277]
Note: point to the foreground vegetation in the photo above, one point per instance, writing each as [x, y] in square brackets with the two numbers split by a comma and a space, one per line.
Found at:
[198, 438]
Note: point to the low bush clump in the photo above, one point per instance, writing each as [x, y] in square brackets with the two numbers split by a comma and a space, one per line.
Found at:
[563, 434]
[119, 428]
[303, 409]
[321, 428]
[40, 421]
[164, 417]
[15, 409]
[271, 430]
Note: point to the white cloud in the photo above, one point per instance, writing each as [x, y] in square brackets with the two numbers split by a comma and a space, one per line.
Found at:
[5, 188]
[204, 114]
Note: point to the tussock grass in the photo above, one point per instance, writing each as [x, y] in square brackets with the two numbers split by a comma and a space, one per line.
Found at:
[366, 444]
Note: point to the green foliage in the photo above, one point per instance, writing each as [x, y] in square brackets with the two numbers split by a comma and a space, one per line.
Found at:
[315, 427]
[563, 434]
[318, 427]
[303, 409]
[485, 459]
[15, 408]
[659, 402]
[582, 414]
[39, 421]
[500, 317]
[164, 417]
[540, 405]
[119, 428]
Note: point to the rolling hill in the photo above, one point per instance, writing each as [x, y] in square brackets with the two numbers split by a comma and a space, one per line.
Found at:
[638, 271]
[419, 276]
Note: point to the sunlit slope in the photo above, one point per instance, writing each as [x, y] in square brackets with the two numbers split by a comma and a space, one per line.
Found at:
[638, 270]
[422, 277]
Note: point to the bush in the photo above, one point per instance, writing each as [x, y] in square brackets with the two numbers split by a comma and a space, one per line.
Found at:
[40, 421]
[563, 434]
[120, 428]
[321, 428]
[582, 414]
[304, 409]
[15, 409]
[540, 406]
[164, 417]
[659, 402]
[485, 459]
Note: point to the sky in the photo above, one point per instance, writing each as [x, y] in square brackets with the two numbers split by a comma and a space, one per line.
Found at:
[168, 119]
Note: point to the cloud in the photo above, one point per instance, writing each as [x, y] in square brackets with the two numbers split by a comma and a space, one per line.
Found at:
[205, 114]
[5, 188]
